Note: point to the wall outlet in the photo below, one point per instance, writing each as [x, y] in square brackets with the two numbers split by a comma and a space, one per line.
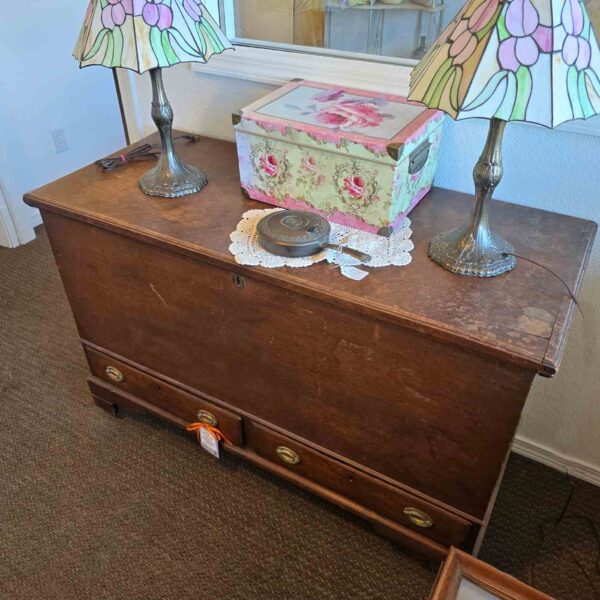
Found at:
[60, 140]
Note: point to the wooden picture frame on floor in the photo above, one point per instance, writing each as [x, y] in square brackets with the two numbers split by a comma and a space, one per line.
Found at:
[464, 577]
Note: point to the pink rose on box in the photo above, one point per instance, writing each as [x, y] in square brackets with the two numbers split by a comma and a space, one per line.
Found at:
[309, 163]
[355, 186]
[329, 95]
[351, 114]
[269, 164]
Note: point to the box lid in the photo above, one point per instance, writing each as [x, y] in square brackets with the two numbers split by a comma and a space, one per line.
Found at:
[383, 124]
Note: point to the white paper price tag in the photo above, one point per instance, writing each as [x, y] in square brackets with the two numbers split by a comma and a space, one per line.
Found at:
[209, 442]
[354, 273]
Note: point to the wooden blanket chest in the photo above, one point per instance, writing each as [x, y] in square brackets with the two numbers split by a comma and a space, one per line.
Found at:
[396, 397]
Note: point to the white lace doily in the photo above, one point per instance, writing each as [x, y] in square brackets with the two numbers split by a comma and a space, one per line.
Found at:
[394, 250]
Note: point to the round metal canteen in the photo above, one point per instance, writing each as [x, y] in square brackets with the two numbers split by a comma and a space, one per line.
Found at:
[296, 233]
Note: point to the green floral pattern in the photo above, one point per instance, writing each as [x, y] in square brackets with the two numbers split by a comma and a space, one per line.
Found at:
[146, 34]
[290, 168]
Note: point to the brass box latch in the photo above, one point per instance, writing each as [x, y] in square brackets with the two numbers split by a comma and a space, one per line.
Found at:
[418, 158]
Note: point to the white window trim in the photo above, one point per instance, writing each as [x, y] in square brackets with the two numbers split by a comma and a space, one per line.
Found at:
[276, 67]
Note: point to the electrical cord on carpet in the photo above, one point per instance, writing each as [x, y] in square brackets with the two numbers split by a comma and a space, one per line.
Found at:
[143, 152]
[562, 517]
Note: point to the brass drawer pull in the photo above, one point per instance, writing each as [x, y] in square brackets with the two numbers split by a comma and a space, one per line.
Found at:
[207, 418]
[287, 455]
[418, 517]
[114, 374]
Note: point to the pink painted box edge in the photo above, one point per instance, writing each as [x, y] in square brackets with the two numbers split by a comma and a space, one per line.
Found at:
[410, 132]
[337, 216]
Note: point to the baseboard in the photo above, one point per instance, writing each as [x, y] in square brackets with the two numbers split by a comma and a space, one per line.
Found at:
[5, 240]
[8, 234]
[560, 462]
[36, 219]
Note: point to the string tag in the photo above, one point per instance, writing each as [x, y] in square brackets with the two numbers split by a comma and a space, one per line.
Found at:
[209, 437]
[210, 443]
[354, 273]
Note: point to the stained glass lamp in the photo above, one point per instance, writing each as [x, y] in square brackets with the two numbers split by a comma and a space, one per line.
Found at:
[147, 35]
[515, 60]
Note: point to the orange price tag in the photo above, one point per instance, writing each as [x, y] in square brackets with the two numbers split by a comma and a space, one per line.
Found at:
[208, 437]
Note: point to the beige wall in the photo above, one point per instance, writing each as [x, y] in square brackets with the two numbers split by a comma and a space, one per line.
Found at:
[562, 416]
[285, 21]
[270, 20]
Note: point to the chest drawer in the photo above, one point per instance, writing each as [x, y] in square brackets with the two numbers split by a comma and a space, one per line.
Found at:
[390, 502]
[183, 405]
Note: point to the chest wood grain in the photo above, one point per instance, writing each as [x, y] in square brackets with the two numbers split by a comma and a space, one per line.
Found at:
[415, 378]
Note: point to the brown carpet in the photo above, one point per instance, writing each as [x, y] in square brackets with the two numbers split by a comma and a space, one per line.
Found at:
[103, 508]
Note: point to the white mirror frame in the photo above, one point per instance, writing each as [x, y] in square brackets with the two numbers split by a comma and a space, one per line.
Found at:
[276, 64]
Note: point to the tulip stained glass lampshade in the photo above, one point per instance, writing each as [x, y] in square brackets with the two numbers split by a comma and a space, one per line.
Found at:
[536, 61]
[148, 35]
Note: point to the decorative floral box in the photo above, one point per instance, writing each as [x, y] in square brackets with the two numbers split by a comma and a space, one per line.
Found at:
[358, 158]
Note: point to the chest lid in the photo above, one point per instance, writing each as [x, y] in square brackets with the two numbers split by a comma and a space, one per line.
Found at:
[381, 124]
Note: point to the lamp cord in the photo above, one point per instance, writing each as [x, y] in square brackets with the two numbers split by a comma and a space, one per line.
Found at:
[143, 152]
[571, 294]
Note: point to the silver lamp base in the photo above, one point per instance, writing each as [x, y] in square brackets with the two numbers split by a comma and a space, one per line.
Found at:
[473, 249]
[170, 178]
[173, 183]
[460, 252]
